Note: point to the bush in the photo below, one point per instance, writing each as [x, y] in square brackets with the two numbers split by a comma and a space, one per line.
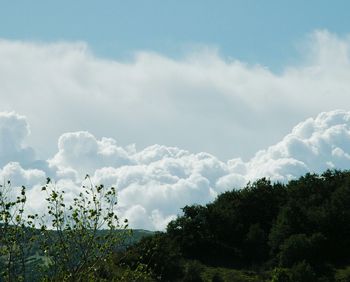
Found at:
[280, 275]
[343, 275]
[217, 278]
[302, 272]
[84, 231]
[16, 235]
[193, 272]
[160, 254]
[74, 237]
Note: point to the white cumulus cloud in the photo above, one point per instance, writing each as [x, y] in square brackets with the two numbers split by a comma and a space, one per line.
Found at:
[84, 153]
[156, 182]
[201, 102]
[190, 117]
[14, 129]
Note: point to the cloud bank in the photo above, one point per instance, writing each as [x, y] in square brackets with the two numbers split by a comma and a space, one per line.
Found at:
[154, 183]
[185, 102]
[203, 108]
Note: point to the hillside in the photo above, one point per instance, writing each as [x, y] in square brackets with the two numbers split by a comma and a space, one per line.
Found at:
[298, 231]
[295, 231]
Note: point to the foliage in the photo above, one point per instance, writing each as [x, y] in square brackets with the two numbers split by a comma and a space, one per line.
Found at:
[193, 272]
[15, 234]
[76, 248]
[302, 272]
[343, 275]
[300, 230]
[299, 247]
[159, 254]
[280, 275]
[75, 239]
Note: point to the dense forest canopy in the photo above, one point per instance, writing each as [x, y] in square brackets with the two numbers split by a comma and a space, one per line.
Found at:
[299, 228]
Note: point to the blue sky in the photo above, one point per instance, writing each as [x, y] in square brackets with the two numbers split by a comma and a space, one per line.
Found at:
[264, 32]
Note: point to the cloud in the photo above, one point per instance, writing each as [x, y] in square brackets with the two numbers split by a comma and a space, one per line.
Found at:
[201, 102]
[83, 152]
[314, 145]
[153, 184]
[13, 131]
[18, 176]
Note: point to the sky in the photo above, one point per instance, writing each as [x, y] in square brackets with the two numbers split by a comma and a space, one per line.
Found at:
[263, 32]
[171, 102]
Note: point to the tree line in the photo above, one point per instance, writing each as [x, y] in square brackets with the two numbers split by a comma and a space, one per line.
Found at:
[298, 231]
[266, 231]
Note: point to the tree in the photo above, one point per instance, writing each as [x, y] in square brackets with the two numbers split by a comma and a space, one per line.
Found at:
[16, 233]
[159, 254]
[77, 236]
[303, 272]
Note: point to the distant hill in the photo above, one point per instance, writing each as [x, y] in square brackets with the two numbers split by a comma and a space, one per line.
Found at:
[35, 259]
